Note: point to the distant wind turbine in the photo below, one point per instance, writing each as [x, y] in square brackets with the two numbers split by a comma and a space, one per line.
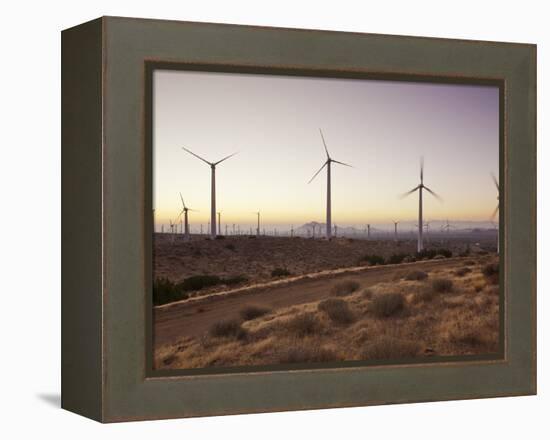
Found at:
[172, 225]
[213, 229]
[395, 223]
[185, 210]
[419, 188]
[496, 209]
[327, 164]
[258, 224]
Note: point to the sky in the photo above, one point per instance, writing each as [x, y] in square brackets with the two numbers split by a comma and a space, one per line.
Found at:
[381, 128]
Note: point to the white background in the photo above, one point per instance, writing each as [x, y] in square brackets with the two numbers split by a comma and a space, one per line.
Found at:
[30, 219]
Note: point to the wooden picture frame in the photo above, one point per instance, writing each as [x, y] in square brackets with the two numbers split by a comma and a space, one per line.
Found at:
[106, 233]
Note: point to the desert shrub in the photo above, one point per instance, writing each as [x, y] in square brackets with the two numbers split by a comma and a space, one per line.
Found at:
[367, 293]
[198, 282]
[416, 275]
[302, 325]
[165, 291]
[490, 269]
[442, 285]
[397, 258]
[230, 246]
[220, 237]
[460, 272]
[337, 310]
[372, 260]
[445, 252]
[425, 295]
[229, 328]
[466, 334]
[478, 287]
[280, 272]
[343, 288]
[387, 347]
[387, 304]
[170, 359]
[429, 254]
[491, 272]
[305, 353]
[252, 312]
[236, 279]
[466, 252]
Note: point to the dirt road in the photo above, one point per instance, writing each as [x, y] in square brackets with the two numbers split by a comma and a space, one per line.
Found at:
[193, 318]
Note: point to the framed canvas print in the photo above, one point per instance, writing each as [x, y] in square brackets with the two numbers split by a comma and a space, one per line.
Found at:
[263, 219]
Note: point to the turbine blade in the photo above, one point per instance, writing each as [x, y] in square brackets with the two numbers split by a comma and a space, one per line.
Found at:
[421, 169]
[402, 196]
[494, 213]
[225, 158]
[438, 197]
[495, 181]
[342, 163]
[315, 175]
[324, 143]
[196, 155]
[182, 202]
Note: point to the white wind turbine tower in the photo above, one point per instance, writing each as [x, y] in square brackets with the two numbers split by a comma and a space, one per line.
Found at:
[496, 209]
[213, 229]
[327, 164]
[258, 223]
[395, 223]
[185, 211]
[419, 188]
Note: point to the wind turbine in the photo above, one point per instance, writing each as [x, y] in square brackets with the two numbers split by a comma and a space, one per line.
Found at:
[327, 164]
[496, 209]
[172, 230]
[220, 223]
[185, 211]
[395, 223]
[213, 229]
[419, 188]
[258, 224]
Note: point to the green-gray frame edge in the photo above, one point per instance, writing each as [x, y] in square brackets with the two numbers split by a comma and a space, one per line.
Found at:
[105, 261]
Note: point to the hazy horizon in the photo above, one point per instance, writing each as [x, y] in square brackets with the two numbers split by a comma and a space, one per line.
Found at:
[380, 127]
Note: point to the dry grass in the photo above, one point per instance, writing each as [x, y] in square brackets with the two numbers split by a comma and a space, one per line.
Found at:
[337, 310]
[304, 353]
[344, 288]
[396, 319]
[252, 312]
[302, 325]
[387, 304]
[227, 329]
[389, 348]
[460, 272]
[416, 275]
[442, 285]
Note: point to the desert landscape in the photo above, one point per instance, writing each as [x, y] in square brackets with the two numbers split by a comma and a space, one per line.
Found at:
[295, 222]
[335, 306]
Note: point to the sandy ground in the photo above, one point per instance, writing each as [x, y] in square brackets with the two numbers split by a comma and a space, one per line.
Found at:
[193, 317]
[255, 258]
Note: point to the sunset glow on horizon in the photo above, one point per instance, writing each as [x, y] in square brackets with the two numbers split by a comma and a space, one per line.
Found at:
[381, 128]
